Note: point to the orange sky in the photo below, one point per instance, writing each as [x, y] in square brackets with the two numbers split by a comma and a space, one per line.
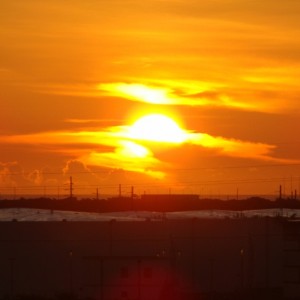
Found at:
[76, 75]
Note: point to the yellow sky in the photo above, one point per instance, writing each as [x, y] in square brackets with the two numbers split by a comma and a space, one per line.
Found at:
[76, 75]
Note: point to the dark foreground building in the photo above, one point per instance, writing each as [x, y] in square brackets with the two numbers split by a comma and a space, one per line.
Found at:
[256, 258]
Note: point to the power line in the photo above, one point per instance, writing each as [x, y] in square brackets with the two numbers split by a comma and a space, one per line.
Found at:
[171, 169]
[238, 167]
[147, 184]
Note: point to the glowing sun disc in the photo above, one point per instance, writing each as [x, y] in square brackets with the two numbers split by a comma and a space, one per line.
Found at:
[157, 128]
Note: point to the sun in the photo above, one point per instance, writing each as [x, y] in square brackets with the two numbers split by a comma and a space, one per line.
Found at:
[157, 128]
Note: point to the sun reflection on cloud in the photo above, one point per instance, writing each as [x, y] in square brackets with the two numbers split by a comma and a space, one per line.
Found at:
[248, 94]
[178, 93]
[138, 92]
[233, 147]
[134, 150]
[130, 157]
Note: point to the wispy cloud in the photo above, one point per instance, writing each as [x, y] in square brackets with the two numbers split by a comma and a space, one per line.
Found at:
[82, 121]
[262, 91]
[123, 158]
[115, 147]
[270, 96]
[6, 177]
[189, 96]
[235, 148]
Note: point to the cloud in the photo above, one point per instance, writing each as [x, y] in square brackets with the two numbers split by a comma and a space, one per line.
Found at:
[75, 166]
[87, 147]
[82, 121]
[235, 148]
[243, 95]
[12, 175]
[6, 174]
[114, 147]
[36, 177]
[268, 90]
[130, 156]
[170, 96]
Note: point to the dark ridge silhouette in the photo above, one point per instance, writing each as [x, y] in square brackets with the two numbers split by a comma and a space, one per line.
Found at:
[155, 202]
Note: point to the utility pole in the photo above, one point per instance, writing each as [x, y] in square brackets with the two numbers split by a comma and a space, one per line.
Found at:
[299, 183]
[132, 198]
[97, 194]
[120, 191]
[280, 192]
[291, 187]
[71, 187]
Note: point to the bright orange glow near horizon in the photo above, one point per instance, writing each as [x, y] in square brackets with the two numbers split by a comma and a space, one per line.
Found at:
[203, 96]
